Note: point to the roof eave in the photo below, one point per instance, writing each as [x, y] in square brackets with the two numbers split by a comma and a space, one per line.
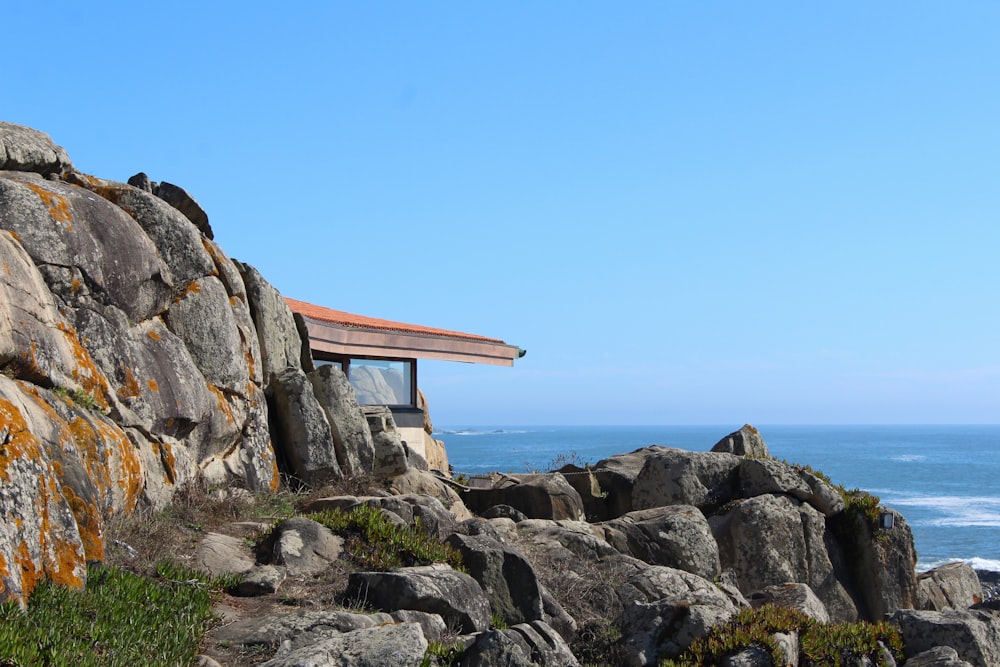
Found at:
[361, 342]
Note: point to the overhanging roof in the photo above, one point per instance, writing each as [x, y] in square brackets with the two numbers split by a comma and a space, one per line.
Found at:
[337, 332]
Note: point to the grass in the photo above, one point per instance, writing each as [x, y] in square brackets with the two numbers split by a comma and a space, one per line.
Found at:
[377, 543]
[119, 619]
[830, 644]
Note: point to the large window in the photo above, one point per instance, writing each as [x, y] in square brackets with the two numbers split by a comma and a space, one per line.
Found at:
[379, 381]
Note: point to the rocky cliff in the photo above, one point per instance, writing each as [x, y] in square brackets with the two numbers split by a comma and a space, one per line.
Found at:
[135, 357]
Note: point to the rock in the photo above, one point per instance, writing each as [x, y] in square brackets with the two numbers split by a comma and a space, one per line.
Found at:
[745, 442]
[424, 483]
[951, 586]
[676, 536]
[679, 477]
[792, 596]
[401, 645]
[495, 648]
[303, 546]
[939, 656]
[68, 228]
[975, 635]
[25, 149]
[351, 435]
[824, 496]
[302, 428]
[504, 574]
[606, 491]
[432, 625]
[762, 476]
[883, 563]
[503, 512]
[752, 656]
[571, 539]
[663, 629]
[278, 337]
[542, 644]
[299, 628]
[537, 496]
[219, 554]
[455, 596]
[774, 539]
[390, 455]
[179, 198]
[261, 580]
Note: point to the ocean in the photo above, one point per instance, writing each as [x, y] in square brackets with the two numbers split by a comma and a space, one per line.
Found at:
[944, 479]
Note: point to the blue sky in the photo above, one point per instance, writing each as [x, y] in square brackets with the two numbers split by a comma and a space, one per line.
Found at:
[687, 213]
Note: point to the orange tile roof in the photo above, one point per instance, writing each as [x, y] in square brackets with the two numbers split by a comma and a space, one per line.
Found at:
[340, 318]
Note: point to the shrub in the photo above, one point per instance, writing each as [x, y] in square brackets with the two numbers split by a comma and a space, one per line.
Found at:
[819, 643]
[377, 543]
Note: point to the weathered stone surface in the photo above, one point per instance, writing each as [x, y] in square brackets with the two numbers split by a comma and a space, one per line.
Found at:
[261, 580]
[280, 344]
[399, 644]
[663, 629]
[542, 644]
[504, 574]
[303, 546]
[575, 539]
[25, 149]
[762, 476]
[36, 341]
[495, 648]
[299, 628]
[607, 491]
[677, 536]
[181, 200]
[824, 496]
[219, 554]
[351, 435]
[975, 635]
[390, 455]
[538, 496]
[424, 483]
[302, 427]
[792, 596]
[745, 442]
[939, 656]
[679, 477]
[66, 226]
[951, 586]
[178, 242]
[883, 564]
[455, 596]
[774, 539]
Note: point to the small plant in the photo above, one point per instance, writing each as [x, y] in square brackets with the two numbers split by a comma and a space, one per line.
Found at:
[441, 654]
[119, 620]
[497, 622]
[819, 643]
[863, 503]
[376, 542]
[84, 399]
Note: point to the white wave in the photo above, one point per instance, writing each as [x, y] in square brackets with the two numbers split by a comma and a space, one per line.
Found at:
[976, 563]
[955, 511]
[909, 458]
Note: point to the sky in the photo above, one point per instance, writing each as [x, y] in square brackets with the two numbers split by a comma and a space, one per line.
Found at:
[686, 212]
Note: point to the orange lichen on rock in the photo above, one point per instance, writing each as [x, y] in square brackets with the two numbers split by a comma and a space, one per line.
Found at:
[152, 334]
[88, 522]
[221, 401]
[57, 204]
[153, 386]
[166, 455]
[130, 387]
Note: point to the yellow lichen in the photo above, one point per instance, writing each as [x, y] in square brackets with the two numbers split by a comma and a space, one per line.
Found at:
[57, 205]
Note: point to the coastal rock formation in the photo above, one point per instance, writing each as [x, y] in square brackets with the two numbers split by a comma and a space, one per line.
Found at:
[137, 359]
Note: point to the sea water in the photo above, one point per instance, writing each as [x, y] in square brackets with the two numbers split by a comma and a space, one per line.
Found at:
[945, 480]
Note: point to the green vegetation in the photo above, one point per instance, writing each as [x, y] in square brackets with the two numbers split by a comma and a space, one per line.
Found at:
[375, 542]
[78, 396]
[441, 654]
[829, 644]
[120, 618]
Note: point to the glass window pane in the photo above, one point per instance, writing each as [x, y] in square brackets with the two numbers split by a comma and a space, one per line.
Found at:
[381, 382]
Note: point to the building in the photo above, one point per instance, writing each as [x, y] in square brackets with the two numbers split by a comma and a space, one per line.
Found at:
[380, 357]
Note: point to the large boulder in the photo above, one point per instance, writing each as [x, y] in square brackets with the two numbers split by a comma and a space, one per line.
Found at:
[537, 496]
[436, 589]
[351, 435]
[389, 451]
[679, 477]
[792, 596]
[25, 149]
[745, 442]
[774, 539]
[950, 586]
[504, 574]
[303, 428]
[974, 634]
[676, 536]
[304, 547]
[401, 645]
[606, 489]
